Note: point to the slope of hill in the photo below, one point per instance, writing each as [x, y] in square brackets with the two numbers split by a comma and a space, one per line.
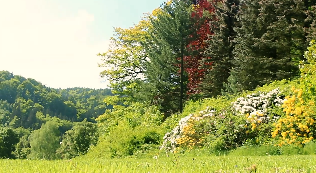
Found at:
[21, 98]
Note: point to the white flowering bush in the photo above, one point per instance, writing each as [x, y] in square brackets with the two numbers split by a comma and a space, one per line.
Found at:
[171, 139]
[248, 120]
[256, 105]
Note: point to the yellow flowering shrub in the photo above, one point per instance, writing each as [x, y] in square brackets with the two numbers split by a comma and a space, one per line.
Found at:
[297, 126]
[254, 119]
[190, 138]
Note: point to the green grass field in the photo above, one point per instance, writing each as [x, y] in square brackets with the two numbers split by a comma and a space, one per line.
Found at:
[297, 163]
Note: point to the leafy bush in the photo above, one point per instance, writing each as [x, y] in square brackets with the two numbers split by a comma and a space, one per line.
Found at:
[137, 114]
[8, 139]
[78, 140]
[23, 148]
[126, 141]
[45, 141]
[130, 130]
[297, 126]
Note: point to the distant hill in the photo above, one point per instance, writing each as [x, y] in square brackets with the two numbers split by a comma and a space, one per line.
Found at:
[21, 98]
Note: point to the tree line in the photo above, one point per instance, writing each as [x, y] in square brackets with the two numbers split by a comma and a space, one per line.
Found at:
[188, 51]
[21, 99]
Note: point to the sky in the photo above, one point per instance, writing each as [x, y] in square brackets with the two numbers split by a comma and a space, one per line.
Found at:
[56, 42]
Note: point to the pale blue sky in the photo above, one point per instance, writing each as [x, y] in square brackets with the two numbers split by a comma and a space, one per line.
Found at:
[56, 41]
[110, 13]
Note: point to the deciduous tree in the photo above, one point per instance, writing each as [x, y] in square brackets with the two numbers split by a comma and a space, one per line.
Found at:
[8, 139]
[45, 141]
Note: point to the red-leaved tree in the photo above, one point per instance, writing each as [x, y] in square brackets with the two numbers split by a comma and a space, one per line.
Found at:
[197, 64]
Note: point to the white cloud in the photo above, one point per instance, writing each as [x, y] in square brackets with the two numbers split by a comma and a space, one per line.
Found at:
[36, 42]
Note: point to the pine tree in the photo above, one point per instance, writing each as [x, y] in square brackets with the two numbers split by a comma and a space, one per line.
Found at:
[220, 46]
[269, 43]
[311, 21]
[172, 31]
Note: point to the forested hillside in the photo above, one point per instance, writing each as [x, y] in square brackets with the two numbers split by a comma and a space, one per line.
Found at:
[26, 105]
[21, 99]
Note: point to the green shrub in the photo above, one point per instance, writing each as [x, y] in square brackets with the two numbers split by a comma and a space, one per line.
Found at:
[23, 147]
[8, 139]
[309, 148]
[45, 141]
[126, 141]
[126, 131]
[78, 140]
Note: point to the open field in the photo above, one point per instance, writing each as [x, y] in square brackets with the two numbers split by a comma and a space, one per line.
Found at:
[298, 163]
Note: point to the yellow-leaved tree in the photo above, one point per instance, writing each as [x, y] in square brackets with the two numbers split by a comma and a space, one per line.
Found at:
[124, 60]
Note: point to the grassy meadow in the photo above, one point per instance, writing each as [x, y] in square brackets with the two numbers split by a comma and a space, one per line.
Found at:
[174, 163]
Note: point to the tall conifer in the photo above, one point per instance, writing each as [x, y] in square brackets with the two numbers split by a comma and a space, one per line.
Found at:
[220, 46]
[172, 30]
[269, 43]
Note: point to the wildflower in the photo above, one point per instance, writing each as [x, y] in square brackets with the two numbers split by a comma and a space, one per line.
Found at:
[284, 134]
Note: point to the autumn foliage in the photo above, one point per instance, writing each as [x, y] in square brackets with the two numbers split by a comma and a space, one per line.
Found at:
[196, 65]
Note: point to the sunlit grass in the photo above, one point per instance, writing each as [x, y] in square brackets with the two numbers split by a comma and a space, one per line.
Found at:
[175, 163]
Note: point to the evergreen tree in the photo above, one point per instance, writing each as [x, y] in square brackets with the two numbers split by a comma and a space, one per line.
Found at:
[310, 21]
[270, 42]
[220, 46]
[172, 31]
